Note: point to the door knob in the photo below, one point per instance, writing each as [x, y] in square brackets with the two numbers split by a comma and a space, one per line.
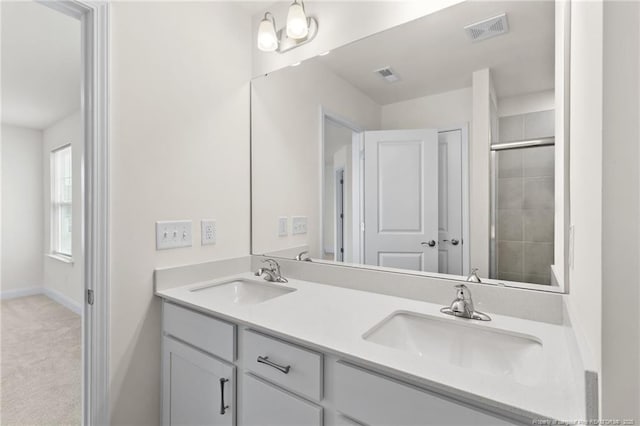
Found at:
[430, 243]
[453, 241]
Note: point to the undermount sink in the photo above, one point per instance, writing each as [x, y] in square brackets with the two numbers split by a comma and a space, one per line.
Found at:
[467, 345]
[244, 292]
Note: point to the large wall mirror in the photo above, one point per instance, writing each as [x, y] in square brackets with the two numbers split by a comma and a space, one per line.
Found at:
[428, 148]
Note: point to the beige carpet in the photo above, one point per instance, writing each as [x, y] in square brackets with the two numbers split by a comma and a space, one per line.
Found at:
[40, 363]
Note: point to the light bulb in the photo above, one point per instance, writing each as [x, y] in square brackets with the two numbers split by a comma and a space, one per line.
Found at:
[297, 25]
[267, 39]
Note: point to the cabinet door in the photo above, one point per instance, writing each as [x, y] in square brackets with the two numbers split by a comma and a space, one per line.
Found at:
[265, 405]
[197, 389]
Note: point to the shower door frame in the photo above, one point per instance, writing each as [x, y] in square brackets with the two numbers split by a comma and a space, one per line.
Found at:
[530, 143]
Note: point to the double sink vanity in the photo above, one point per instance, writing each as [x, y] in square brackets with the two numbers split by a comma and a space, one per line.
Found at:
[241, 350]
[398, 172]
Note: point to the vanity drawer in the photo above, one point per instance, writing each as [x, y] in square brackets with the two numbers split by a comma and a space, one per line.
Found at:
[207, 333]
[269, 358]
[377, 400]
[265, 405]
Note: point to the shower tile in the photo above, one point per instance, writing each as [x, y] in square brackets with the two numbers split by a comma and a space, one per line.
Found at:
[539, 124]
[509, 163]
[510, 256]
[510, 276]
[539, 161]
[538, 279]
[510, 193]
[538, 193]
[538, 258]
[538, 225]
[510, 224]
[511, 128]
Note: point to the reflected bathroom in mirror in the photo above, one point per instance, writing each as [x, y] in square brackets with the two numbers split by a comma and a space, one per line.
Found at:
[428, 148]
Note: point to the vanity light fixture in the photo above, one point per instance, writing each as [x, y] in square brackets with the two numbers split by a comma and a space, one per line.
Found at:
[267, 38]
[297, 24]
[300, 29]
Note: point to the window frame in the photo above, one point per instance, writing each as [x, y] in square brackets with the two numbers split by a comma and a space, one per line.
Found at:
[56, 205]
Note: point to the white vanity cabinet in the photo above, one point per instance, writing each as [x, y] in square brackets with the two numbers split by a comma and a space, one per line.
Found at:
[272, 382]
[198, 389]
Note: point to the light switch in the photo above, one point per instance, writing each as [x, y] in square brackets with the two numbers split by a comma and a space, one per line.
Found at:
[173, 234]
[299, 225]
[209, 233]
[283, 226]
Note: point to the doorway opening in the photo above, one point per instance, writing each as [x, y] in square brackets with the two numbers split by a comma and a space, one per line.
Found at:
[54, 245]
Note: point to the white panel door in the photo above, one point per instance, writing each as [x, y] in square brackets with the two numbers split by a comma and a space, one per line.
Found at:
[401, 199]
[197, 389]
[450, 202]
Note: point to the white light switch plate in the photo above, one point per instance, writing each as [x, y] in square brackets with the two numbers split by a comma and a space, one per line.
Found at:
[299, 225]
[283, 226]
[173, 234]
[209, 232]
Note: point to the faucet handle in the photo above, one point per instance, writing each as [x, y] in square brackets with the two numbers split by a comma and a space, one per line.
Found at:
[463, 292]
[273, 265]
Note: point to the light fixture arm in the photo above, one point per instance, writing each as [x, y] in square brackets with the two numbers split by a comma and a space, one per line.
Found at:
[270, 17]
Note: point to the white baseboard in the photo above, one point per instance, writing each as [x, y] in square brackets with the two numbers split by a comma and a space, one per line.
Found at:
[20, 292]
[65, 301]
[55, 295]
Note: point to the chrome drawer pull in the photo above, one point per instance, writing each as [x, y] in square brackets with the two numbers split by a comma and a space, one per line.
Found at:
[265, 360]
[223, 408]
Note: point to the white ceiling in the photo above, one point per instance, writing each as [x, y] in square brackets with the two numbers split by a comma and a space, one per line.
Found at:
[433, 54]
[40, 64]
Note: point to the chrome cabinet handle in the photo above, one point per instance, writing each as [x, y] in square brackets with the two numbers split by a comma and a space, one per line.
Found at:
[430, 243]
[265, 360]
[453, 241]
[223, 408]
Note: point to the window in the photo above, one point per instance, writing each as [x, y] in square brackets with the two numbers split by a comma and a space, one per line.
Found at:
[61, 201]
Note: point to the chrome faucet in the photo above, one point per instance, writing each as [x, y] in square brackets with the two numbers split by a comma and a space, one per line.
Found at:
[272, 273]
[462, 306]
[473, 276]
[303, 255]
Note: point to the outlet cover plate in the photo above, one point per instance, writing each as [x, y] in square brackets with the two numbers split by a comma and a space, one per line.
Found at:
[173, 234]
[208, 231]
[298, 225]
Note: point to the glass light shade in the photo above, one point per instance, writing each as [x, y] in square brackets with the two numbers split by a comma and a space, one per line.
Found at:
[267, 39]
[297, 25]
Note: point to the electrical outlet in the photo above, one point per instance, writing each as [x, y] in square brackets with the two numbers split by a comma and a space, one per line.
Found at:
[209, 233]
[283, 226]
[173, 234]
[299, 225]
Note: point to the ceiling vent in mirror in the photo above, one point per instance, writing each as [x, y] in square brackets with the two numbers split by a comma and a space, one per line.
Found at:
[388, 74]
[488, 28]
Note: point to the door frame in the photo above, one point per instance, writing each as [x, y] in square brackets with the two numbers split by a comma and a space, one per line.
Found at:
[325, 114]
[466, 247]
[94, 21]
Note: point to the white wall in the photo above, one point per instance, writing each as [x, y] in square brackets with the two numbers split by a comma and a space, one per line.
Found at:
[524, 104]
[61, 278]
[479, 178]
[585, 276]
[22, 225]
[179, 142]
[340, 22]
[621, 211]
[436, 111]
[286, 148]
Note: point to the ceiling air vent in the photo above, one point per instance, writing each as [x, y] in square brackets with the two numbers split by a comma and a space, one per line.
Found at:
[388, 74]
[488, 28]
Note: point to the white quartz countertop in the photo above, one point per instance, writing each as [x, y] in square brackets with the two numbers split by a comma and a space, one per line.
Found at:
[334, 319]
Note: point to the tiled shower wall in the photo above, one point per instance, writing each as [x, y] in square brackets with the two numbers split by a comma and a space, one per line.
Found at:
[525, 200]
